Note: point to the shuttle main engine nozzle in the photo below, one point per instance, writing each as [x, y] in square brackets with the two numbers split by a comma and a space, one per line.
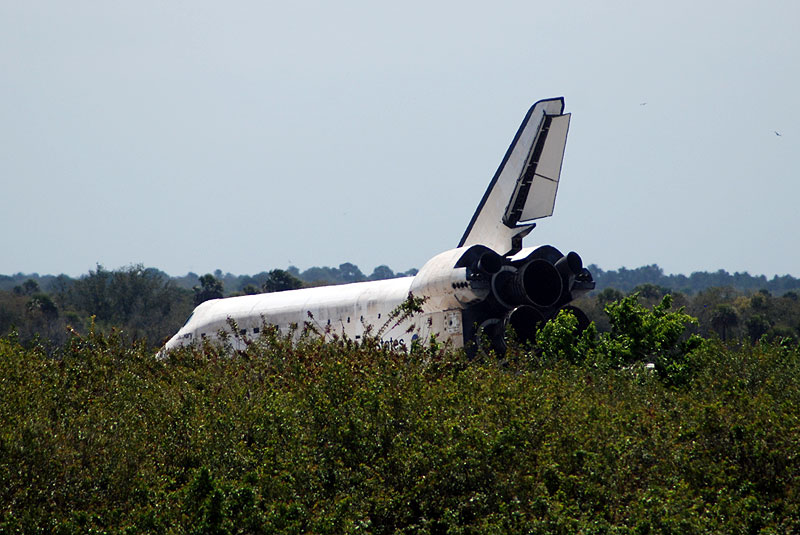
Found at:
[536, 283]
[523, 320]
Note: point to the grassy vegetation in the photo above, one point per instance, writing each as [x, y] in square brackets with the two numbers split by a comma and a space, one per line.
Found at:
[345, 437]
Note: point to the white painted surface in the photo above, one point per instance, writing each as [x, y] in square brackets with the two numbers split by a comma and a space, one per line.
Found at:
[542, 195]
[343, 310]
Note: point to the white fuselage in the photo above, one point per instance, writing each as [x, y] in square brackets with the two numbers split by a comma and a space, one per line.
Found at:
[343, 310]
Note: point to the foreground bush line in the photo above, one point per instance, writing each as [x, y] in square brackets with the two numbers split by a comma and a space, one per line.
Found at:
[345, 437]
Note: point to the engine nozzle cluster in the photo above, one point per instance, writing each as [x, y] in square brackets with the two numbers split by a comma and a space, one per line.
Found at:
[524, 293]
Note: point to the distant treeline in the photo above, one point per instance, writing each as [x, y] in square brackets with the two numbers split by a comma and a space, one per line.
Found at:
[147, 304]
[313, 276]
[627, 279]
[622, 279]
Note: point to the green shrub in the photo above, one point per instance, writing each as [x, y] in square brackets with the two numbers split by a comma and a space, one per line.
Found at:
[638, 335]
[357, 437]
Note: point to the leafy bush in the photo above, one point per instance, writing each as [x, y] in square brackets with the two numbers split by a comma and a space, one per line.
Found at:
[358, 437]
[656, 337]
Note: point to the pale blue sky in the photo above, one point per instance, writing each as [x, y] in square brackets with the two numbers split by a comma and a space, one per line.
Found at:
[244, 136]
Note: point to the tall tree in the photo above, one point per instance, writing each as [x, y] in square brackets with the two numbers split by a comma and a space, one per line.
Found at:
[350, 272]
[210, 288]
[280, 280]
[29, 287]
[381, 272]
[724, 319]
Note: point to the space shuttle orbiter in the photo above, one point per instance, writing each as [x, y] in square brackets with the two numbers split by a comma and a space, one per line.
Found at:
[485, 285]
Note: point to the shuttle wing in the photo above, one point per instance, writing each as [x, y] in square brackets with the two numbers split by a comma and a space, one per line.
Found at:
[524, 187]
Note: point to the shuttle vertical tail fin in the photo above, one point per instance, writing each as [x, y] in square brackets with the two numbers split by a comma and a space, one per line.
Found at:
[524, 187]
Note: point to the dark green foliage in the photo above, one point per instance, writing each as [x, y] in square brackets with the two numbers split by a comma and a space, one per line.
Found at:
[559, 340]
[641, 335]
[210, 288]
[350, 272]
[757, 326]
[723, 312]
[724, 319]
[625, 280]
[346, 437]
[657, 337]
[280, 280]
[42, 304]
[28, 287]
[249, 289]
[651, 291]
[12, 311]
[345, 273]
[609, 295]
[783, 335]
[628, 279]
[382, 272]
[142, 302]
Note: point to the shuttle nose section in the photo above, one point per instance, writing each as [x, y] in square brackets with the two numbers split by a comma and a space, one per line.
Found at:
[162, 353]
[179, 340]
